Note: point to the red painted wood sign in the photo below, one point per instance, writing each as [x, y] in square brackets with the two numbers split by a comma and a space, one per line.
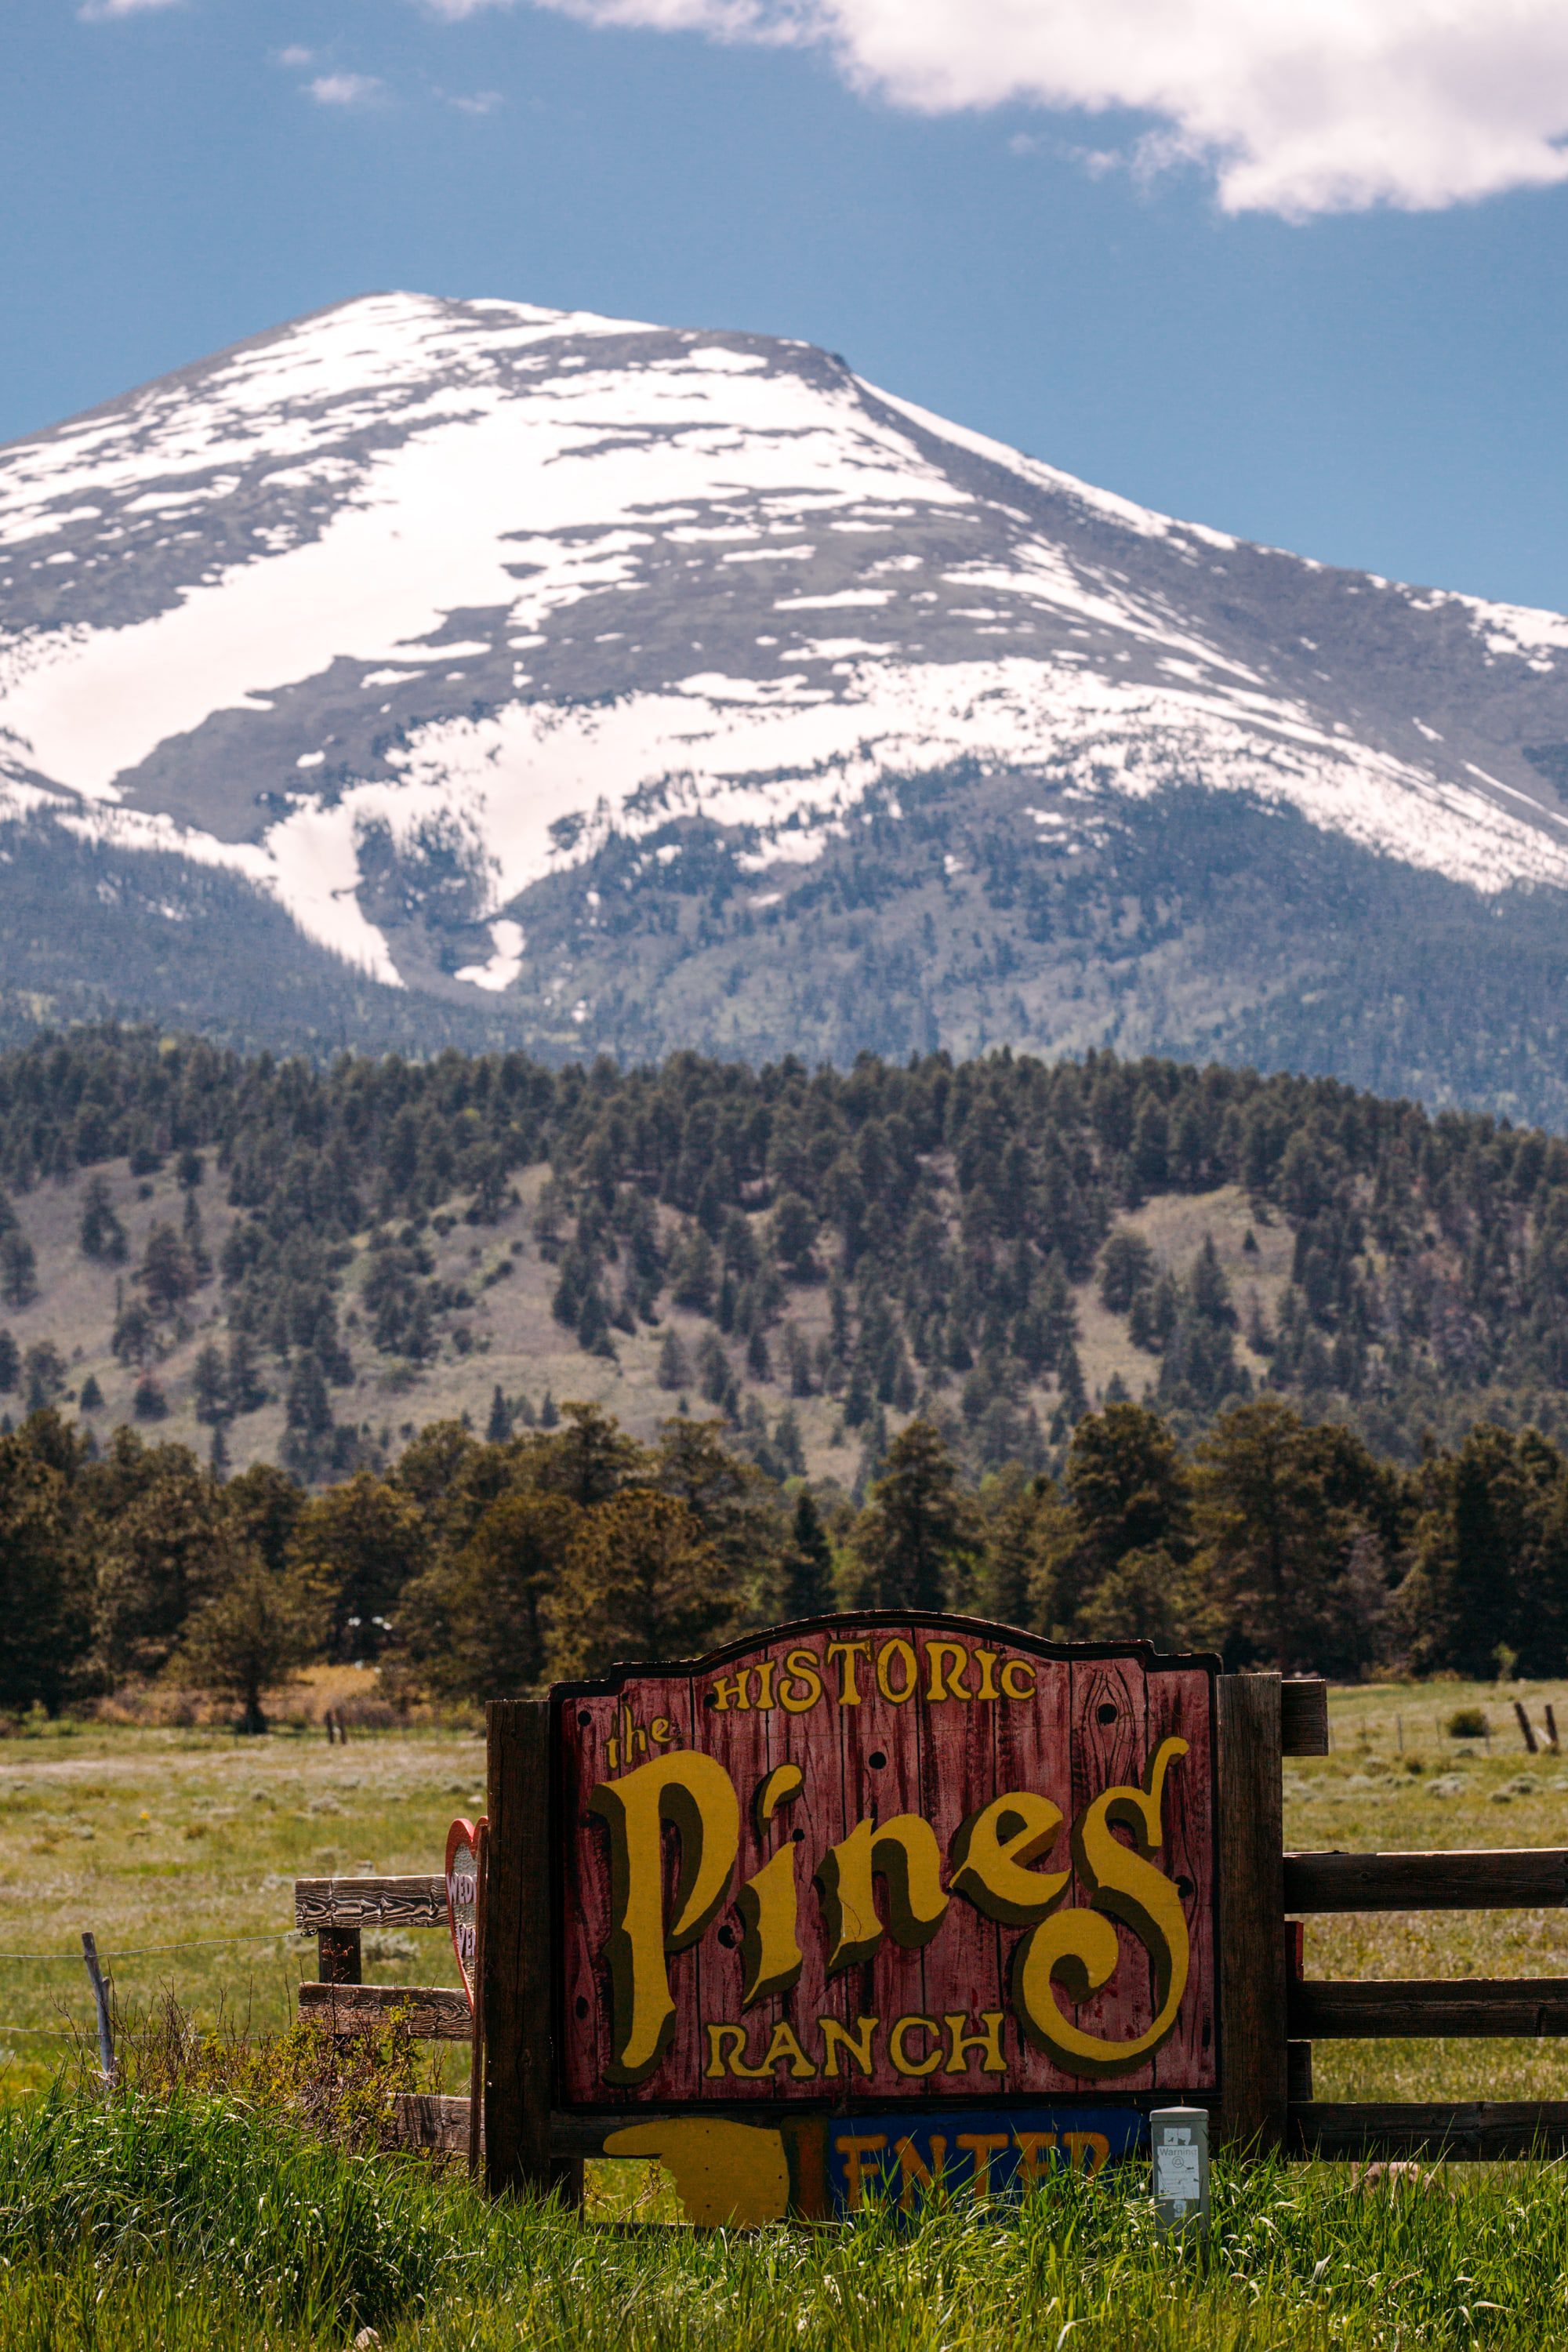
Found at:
[882, 1857]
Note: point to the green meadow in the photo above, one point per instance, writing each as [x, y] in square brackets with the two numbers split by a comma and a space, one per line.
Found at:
[198, 2217]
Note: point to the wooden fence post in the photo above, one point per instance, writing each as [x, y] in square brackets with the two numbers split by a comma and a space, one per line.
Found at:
[517, 1990]
[1253, 2004]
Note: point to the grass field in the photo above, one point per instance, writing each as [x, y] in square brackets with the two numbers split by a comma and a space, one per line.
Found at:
[131, 2224]
[156, 1838]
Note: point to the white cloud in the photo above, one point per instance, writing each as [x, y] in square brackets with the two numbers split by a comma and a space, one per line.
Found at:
[295, 55]
[1294, 106]
[99, 12]
[346, 89]
[483, 101]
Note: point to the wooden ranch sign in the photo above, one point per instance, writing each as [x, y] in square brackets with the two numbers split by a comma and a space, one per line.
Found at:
[875, 1862]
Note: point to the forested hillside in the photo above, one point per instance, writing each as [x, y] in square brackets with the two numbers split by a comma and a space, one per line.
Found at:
[308, 1265]
[478, 1568]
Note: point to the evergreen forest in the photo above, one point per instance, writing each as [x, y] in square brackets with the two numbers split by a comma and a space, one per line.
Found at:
[878, 1306]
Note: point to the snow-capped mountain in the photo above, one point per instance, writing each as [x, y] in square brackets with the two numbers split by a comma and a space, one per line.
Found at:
[626, 686]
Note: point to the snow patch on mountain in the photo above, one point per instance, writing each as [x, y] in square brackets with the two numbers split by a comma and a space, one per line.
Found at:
[487, 584]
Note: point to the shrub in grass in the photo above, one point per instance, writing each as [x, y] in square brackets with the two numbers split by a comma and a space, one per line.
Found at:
[1468, 1723]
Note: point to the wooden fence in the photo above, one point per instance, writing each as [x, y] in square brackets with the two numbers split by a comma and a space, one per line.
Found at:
[1271, 2014]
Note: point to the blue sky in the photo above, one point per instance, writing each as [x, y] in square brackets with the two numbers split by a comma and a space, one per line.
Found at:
[1296, 320]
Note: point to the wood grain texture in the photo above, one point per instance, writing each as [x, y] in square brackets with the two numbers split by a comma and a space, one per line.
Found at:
[369, 1903]
[430, 2123]
[1034, 1750]
[1363, 2008]
[517, 1990]
[1303, 1716]
[1252, 1985]
[1495, 1879]
[866, 1751]
[429, 2012]
[1178, 1705]
[1475, 2131]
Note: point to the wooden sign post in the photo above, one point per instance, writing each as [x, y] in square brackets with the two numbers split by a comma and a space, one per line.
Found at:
[865, 1904]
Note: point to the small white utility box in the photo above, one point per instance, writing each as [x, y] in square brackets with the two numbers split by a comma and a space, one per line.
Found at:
[1179, 2143]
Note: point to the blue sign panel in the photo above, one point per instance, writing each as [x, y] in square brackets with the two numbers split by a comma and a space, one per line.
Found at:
[899, 2157]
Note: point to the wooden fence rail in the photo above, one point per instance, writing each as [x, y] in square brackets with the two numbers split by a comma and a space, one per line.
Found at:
[429, 2013]
[1522, 1878]
[1385, 2008]
[1273, 2014]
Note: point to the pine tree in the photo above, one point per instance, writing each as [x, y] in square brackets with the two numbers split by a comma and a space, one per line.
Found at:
[1126, 1267]
[363, 1542]
[674, 1366]
[1012, 1556]
[591, 1458]
[788, 1448]
[103, 1235]
[641, 1580]
[253, 1636]
[166, 1273]
[498, 1429]
[209, 1389]
[594, 1325]
[916, 1534]
[18, 1269]
[43, 1587]
[195, 1239]
[478, 1628]
[243, 1387]
[807, 1587]
[43, 1375]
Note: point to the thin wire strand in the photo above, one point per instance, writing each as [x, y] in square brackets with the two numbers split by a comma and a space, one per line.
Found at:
[140, 1951]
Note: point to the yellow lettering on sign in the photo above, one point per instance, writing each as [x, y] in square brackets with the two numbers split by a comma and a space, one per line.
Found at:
[695, 1795]
[988, 2041]
[898, 2052]
[1079, 1946]
[1034, 2151]
[993, 1852]
[903, 1652]
[1010, 1674]
[913, 2170]
[726, 2054]
[903, 1852]
[784, 2045]
[779, 1787]
[981, 2146]
[856, 2046]
[801, 1686]
[1088, 2150]
[771, 1957]
[945, 1662]
[848, 1654]
[733, 1691]
[854, 2150]
[987, 1662]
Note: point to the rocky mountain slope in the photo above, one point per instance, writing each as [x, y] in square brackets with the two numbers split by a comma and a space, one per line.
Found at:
[437, 670]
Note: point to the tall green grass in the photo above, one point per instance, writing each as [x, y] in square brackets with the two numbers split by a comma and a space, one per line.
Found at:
[195, 2223]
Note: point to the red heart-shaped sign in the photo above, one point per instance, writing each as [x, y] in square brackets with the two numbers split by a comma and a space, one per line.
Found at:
[463, 1847]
